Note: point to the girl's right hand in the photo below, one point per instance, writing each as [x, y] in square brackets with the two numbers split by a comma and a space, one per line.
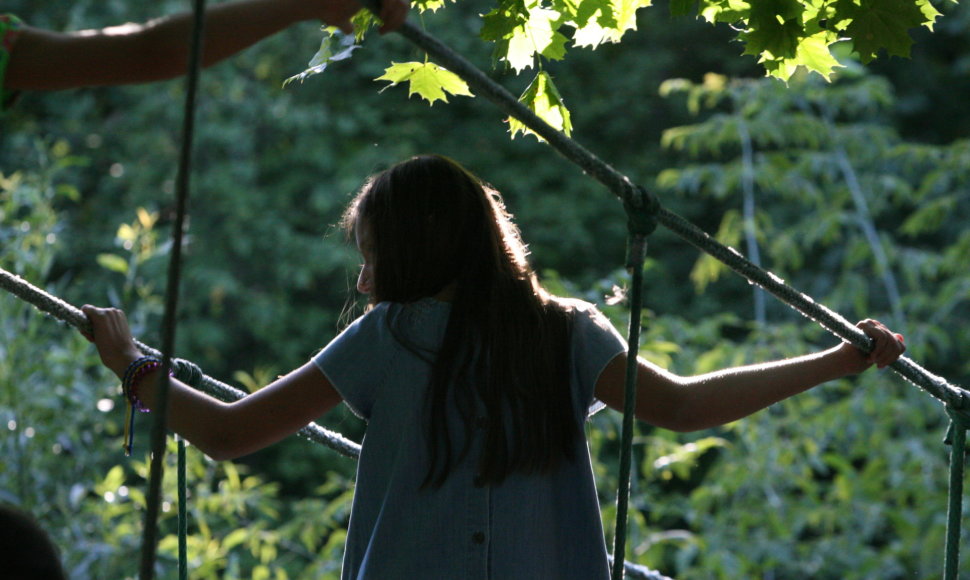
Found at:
[112, 335]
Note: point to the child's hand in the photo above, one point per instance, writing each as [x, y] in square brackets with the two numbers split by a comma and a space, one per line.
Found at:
[887, 347]
[112, 336]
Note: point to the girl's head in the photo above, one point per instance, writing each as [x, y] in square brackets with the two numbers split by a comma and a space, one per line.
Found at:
[426, 224]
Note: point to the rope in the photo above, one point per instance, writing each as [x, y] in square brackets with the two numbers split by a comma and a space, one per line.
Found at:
[183, 513]
[956, 438]
[159, 426]
[184, 370]
[190, 374]
[637, 196]
[634, 196]
[955, 398]
[639, 572]
[636, 255]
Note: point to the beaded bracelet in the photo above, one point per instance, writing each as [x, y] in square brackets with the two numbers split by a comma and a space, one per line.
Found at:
[129, 381]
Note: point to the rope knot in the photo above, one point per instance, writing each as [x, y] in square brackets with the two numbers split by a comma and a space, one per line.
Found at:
[641, 210]
[958, 420]
[188, 372]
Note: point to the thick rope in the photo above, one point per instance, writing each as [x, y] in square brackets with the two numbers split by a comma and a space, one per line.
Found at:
[184, 370]
[956, 399]
[159, 432]
[190, 374]
[633, 195]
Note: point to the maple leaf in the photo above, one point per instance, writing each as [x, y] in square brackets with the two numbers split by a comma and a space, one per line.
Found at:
[544, 100]
[612, 19]
[430, 81]
[876, 25]
[501, 23]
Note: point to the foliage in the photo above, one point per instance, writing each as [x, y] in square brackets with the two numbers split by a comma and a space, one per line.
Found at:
[63, 446]
[786, 36]
[267, 280]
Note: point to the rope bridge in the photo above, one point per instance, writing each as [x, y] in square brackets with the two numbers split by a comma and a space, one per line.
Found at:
[644, 213]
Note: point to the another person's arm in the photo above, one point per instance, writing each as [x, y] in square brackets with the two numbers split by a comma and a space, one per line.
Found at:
[157, 50]
[699, 402]
[221, 430]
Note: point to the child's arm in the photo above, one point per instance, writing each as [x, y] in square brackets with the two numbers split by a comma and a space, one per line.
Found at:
[703, 401]
[220, 430]
[157, 50]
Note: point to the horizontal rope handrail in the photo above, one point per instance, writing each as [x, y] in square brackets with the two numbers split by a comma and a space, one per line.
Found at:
[184, 370]
[638, 198]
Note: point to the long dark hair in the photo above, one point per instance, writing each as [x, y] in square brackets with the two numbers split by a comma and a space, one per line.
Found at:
[434, 227]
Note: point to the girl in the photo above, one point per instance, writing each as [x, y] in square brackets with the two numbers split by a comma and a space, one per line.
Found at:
[37, 59]
[475, 383]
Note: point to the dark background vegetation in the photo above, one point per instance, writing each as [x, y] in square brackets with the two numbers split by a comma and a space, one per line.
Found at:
[845, 482]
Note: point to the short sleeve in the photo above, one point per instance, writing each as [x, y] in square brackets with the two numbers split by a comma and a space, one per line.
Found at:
[356, 362]
[10, 27]
[595, 342]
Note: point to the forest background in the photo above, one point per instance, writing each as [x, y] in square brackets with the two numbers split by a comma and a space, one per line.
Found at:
[853, 190]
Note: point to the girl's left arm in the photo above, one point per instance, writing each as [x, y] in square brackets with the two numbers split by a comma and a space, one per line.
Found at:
[699, 402]
[221, 430]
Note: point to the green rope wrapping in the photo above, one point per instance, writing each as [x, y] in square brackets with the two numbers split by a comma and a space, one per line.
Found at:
[183, 513]
[956, 438]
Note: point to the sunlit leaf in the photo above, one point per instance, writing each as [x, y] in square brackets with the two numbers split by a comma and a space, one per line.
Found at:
[113, 262]
[426, 79]
[543, 99]
[335, 46]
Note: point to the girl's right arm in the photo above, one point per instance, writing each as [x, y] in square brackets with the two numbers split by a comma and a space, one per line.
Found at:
[221, 430]
[700, 402]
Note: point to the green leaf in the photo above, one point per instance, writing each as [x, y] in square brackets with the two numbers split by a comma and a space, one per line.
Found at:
[682, 7]
[544, 100]
[884, 24]
[432, 5]
[612, 19]
[430, 81]
[113, 262]
[500, 23]
[522, 31]
[334, 46]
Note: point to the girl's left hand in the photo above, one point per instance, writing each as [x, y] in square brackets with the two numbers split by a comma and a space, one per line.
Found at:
[112, 335]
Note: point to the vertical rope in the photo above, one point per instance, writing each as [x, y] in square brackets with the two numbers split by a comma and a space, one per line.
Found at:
[956, 438]
[158, 435]
[183, 512]
[636, 254]
[640, 209]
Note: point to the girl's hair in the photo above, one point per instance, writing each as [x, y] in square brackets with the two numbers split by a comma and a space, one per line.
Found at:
[505, 354]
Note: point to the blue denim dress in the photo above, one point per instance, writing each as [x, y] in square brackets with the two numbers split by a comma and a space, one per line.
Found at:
[529, 527]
